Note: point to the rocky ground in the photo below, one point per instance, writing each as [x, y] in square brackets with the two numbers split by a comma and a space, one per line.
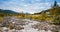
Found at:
[28, 25]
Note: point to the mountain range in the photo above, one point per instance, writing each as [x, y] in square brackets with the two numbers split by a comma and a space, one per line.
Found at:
[7, 12]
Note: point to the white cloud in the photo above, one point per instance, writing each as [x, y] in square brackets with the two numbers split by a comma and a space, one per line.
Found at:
[21, 6]
[59, 4]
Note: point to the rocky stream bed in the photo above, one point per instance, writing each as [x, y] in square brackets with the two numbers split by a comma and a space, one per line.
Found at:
[28, 25]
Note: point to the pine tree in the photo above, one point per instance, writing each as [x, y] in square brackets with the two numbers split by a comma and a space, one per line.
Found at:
[55, 4]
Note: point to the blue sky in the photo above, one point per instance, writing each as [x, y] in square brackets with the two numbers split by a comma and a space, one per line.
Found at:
[30, 6]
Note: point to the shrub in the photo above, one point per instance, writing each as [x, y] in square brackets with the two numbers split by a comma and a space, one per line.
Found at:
[1, 19]
[56, 21]
[11, 26]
